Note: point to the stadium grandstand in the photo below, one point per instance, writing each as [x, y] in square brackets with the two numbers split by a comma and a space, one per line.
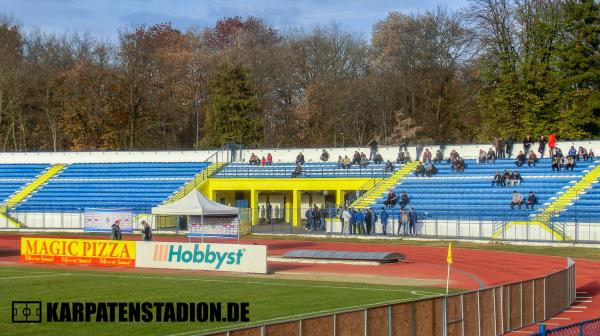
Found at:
[52, 190]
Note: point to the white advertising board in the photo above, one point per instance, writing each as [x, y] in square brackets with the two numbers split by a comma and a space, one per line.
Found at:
[100, 220]
[202, 256]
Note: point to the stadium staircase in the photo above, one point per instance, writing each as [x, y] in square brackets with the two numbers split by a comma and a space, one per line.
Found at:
[382, 185]
[560, 204]
[21, 194]
[197, 181]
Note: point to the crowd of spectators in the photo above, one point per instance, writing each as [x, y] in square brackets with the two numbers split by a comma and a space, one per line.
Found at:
[364, 221]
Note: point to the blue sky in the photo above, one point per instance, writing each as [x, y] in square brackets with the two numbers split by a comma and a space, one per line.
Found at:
[104, 18]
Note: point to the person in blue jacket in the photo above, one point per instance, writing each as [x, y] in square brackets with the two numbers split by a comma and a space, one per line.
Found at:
[383, 215]
[412, 221]
[352, 221]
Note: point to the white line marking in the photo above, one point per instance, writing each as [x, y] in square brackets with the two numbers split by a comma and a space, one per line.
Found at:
[582, 292]
[573, 311]
[30, 276]
[578, 307]
[548, 323]
[560, 318]
[583, 301]
[583, 297]
[522, 332]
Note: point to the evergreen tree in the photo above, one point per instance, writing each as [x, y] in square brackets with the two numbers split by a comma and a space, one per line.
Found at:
[232, 112]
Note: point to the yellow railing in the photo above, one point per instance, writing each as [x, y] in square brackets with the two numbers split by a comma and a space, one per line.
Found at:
[196, 182]
[371, 196]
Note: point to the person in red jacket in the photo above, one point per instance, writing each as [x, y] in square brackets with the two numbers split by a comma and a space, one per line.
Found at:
[552, 143]
[269, 159]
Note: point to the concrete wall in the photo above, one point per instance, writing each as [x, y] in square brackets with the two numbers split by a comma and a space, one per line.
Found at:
[279, 154]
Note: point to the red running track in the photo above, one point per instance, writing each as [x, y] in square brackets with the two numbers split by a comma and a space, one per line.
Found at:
[471, 269]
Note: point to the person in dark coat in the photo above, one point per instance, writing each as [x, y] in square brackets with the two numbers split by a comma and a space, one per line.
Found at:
[115, 230]
[384, 220]
[510, 142]
[373, 146]
[146, 231]
[542, 146]
[309, 219]
[412, 221]
[368, 221]
[403, 200]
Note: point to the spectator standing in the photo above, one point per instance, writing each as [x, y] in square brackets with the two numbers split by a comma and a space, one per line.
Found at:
[300, 159]
[309, 218]
[412, 222]
[517, 199]
[403, 145]
[368, 221]
[527, 143]
[325, 156]
[497, 146]
[269, 211]
[322, 218]
[146, 231]
[373, 149]
[115, 230]
[403, 222]
[345, 218]
[360, 221]
[542, 146]
[551, 143]
[531, 200]
[383, 215]
[491, 156]
[439, 157]
[269, 159]
[510, 142]
[419, 149]
[352, 221]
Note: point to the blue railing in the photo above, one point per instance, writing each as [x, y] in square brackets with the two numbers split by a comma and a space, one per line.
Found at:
[585, 328]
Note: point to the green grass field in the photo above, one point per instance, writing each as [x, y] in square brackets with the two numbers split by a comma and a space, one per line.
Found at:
[269, 299]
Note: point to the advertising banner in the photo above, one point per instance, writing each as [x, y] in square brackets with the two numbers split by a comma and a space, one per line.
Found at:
[100, 220]
[224, 227]
[202, 256]
[78, 251]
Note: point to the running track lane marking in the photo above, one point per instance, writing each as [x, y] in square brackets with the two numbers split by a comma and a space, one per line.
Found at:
[30, 276]
[254, 323]
[234, 281]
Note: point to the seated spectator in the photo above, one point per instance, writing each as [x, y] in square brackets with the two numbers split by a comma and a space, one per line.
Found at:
[491, 155]
[556, 163]
[459, 165]
[497, 180]
[378, 159]
[430, 170]
[532, 159]
[531, 200]
[506, 177]
[426, 155]
[582, 154]
[407, 158]
[400, 159]
[254, 159]
[297, 171]
[482, 156]
[269, 159]
[391, 199]
[516, 178]
[300, 159]
[340, 161]
[364, 161]
[346, 163]
[438, 157]
[263, 162]
[324, 156]
[591, 154]
[573, 152]
[520, 159]
[558, 152]
[420, 170]
[570, 163]
[389, 167]
[404, 200]
[453, 156]
[356, 158]
[517, 199]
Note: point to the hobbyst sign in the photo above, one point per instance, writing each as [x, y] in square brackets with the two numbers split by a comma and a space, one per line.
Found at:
[206, 256]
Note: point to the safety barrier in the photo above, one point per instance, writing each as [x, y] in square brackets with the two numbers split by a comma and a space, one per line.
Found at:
[585, 328]
[490, 311]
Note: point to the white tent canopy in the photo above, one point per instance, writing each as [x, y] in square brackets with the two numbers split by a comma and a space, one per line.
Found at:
[195, 204]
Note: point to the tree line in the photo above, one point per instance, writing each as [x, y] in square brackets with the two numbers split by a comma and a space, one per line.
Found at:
[496, 68]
